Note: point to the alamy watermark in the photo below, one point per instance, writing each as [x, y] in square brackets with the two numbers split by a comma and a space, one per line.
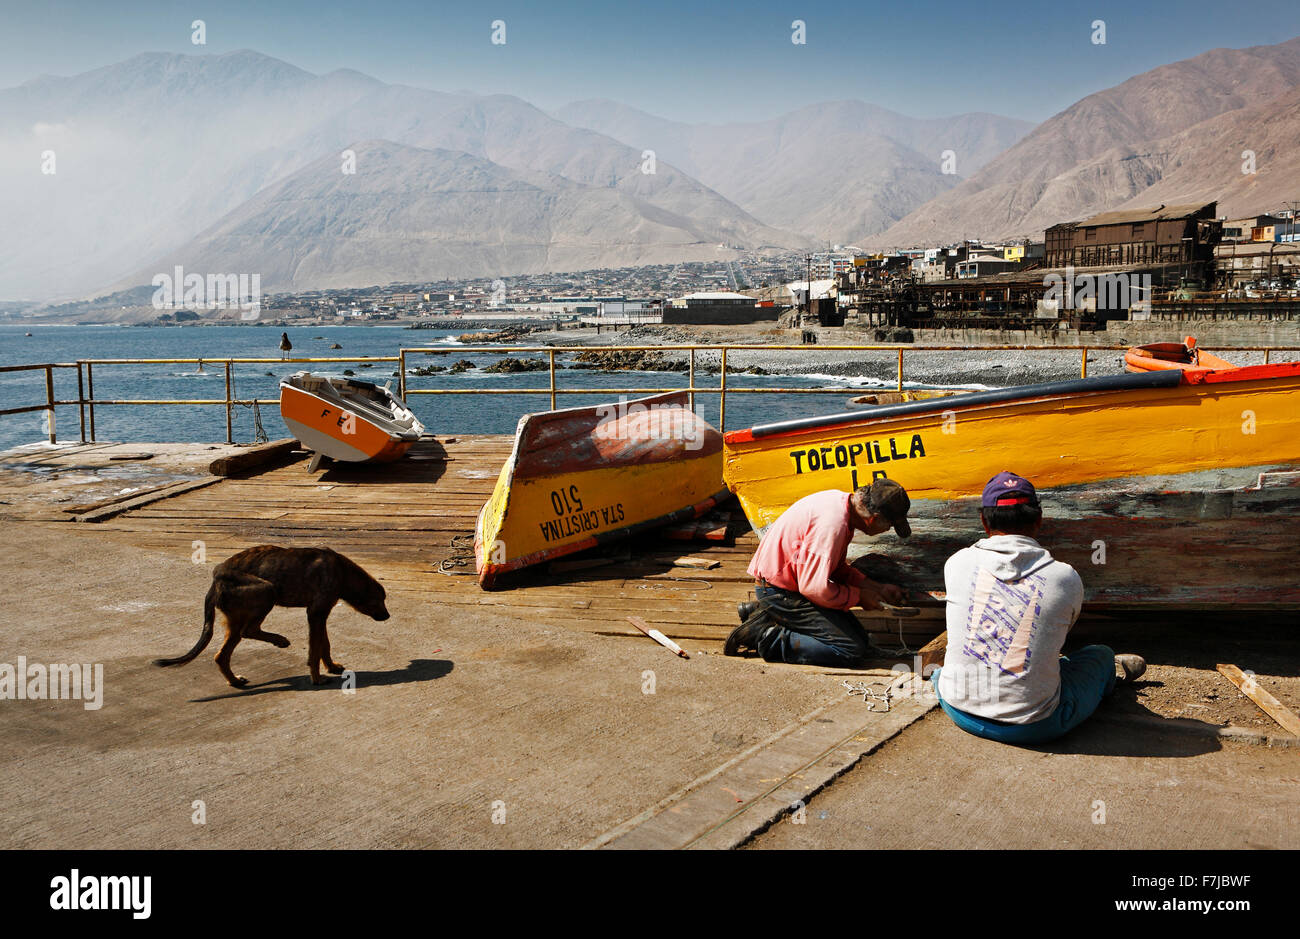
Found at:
[1095, 291]
[80, 891]
[181, 291]
[38, 682]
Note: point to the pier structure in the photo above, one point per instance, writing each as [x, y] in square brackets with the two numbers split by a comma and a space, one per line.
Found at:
[538, 714]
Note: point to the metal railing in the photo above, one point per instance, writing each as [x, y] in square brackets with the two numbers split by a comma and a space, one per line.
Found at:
[50, 402]
[86, 402]
[722, 388]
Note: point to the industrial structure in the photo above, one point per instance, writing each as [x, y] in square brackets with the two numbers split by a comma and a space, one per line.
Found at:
[717, 308]
[1165, 235]
[1129, 264]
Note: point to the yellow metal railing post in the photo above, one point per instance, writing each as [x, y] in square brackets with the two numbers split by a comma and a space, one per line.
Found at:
[551, 356]
[401, 373]
[1266, 352]
[81, 402]
[1083, 369]
[90, 390]
[230, 408]
[900, 368]
[691, 378]
[49, 399]
[722, 388]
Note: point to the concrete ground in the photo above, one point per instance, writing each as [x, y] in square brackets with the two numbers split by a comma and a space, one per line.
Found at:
[457, 717]
[1109, 784]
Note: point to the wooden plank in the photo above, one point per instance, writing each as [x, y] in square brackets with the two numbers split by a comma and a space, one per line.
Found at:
[101, 503]
[1267, 703]
[261, 455]
[702, 564]
[99, 515]
[932, 653]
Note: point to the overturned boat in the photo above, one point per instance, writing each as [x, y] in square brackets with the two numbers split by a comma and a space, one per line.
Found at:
[581, 477]
[347, 420]
[1173, 356]
[1156, 485]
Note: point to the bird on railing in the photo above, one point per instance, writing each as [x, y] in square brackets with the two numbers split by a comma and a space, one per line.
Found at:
[285, 345]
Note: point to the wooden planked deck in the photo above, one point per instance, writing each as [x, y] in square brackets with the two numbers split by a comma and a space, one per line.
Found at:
[401, 519]
[405, 519]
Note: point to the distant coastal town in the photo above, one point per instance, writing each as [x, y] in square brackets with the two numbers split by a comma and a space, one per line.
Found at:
[1165, 262]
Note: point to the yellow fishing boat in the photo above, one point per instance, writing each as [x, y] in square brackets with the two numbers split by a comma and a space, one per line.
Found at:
[580, 477]
[1209, 455]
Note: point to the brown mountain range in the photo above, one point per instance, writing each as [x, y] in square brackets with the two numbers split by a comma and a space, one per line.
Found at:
[1173, 134]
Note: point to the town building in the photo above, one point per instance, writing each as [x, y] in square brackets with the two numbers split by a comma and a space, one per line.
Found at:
[828, 265]
[982, 265]
[1251, 228]
[1161, 235]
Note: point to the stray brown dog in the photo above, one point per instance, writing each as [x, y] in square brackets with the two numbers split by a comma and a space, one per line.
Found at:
[245, 588]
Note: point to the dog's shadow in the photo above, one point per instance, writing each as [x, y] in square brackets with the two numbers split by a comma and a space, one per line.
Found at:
[418, 670]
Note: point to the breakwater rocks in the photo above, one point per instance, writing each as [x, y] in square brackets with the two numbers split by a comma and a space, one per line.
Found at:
[509, 366]
[627, 361]
[457, 322]
[509, 334]
[665, 334]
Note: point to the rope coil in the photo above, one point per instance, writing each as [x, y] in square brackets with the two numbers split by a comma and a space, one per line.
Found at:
[871, 696]
[462, 555]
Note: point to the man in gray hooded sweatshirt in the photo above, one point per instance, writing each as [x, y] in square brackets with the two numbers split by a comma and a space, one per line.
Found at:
[1010, 605]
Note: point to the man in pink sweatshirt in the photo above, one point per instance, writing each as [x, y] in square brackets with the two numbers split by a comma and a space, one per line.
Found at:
[805, 585]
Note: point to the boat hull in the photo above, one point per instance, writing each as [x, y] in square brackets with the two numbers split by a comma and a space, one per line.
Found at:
[1060, 434]
[340, 433]
[581, 477]
[1197, 541]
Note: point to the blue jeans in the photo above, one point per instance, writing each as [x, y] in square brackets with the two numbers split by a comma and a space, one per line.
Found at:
[807, 634]
[1087, 676]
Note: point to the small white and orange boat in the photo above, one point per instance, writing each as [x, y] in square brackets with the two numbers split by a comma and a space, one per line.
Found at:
[346, 420]
[581, 477]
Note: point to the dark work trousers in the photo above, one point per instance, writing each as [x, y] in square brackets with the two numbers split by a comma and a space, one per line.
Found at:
[808, 634]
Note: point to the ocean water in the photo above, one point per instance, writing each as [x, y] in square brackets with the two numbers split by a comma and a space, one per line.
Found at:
[441, 414]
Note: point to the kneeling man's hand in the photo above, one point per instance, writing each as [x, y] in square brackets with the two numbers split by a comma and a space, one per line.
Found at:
[892, 593]
[869, 596]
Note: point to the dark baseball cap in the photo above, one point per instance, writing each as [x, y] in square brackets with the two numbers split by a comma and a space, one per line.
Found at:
[1006, 488]
[889, 500]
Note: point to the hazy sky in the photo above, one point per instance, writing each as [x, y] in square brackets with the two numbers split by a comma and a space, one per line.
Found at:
[693, 61]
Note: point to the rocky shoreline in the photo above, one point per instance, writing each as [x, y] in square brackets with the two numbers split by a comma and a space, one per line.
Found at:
[938, 368]
[921, 366]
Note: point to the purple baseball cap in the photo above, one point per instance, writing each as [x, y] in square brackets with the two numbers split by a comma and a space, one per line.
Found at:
[1006, 488]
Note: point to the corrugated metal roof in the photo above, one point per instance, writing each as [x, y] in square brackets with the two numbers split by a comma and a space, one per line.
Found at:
[820, 288]
[1155, 213]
